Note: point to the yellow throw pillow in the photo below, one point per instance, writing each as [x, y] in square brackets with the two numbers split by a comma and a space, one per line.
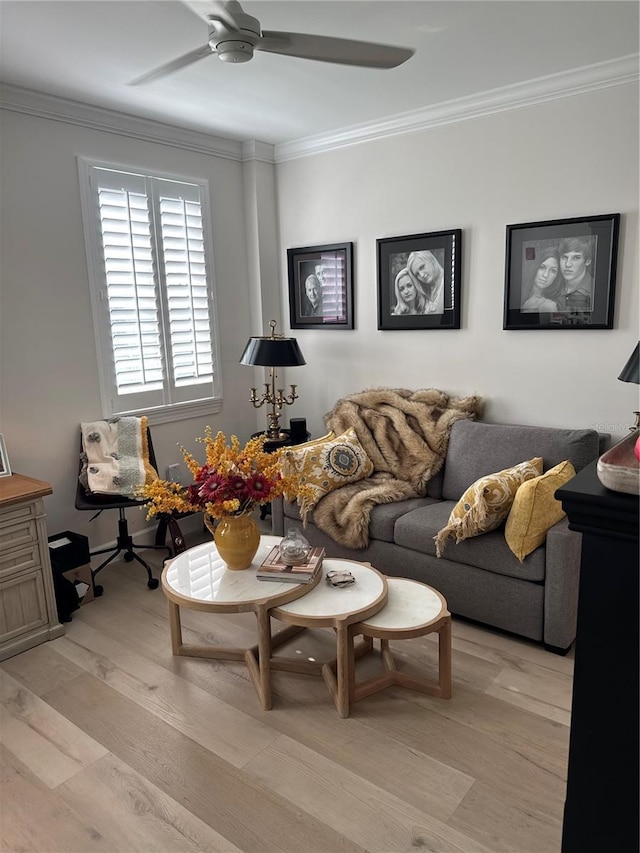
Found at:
[486, 503]
[326, 464]
[535, 510]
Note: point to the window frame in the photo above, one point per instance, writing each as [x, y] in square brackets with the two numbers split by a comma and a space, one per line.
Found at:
[174, 409]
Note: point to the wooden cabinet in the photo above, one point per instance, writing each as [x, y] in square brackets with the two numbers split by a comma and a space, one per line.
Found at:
[28, 613]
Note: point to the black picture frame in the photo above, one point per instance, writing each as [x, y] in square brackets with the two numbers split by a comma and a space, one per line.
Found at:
[430, 307]
[332, 267]
[581, 294]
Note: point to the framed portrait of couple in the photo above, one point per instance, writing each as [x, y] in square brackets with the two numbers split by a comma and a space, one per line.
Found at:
[419, 281]
[321, 286]
[561, 274]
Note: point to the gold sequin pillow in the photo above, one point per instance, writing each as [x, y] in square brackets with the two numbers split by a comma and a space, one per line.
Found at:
[486, 503]
[535, 510]
[326, 464]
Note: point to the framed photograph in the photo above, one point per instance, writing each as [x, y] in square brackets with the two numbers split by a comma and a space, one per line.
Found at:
[561, 274]
[419, 281]
[5, 468]
[321, 286]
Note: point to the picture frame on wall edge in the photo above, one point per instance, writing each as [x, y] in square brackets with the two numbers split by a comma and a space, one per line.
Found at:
[561, 274]
[321, 286]
[5, 468]
[419, 281]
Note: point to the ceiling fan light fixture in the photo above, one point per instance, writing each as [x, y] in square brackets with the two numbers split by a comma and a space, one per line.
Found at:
[234, 51]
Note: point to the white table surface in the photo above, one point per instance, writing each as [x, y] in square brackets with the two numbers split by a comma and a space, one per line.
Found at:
[326, 601]
[200, 574]
[410, 604]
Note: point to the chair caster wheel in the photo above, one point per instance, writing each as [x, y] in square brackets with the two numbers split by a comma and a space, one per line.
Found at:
[128, 558]
[98, 590]
[153, 583]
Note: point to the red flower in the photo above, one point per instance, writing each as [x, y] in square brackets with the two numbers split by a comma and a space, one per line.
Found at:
[258, 487]
[210, 488]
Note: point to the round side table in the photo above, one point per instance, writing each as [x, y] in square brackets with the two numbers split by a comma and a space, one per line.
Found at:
[198, 579]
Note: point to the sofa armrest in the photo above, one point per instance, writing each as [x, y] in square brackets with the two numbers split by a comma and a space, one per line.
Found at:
[277, 517]
[562, 578]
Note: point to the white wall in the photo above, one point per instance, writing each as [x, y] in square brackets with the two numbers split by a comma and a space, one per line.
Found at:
[49, 380]
[572, 157]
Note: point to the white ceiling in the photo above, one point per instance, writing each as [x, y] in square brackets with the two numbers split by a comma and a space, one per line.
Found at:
[89, 50]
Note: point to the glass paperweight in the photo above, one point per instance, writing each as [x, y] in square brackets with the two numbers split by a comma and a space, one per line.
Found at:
[294, 548]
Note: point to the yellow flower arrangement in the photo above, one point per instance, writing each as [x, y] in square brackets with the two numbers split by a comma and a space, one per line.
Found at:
[231, 482]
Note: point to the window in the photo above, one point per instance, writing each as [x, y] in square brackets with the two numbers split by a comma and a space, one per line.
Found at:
[150, 272]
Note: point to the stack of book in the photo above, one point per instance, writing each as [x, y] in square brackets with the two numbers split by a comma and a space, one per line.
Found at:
[273, 569]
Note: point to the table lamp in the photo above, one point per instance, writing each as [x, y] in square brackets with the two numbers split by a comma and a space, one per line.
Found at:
[631, 373]
[274, 351]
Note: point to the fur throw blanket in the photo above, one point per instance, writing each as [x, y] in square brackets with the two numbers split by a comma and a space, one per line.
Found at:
[405, 434]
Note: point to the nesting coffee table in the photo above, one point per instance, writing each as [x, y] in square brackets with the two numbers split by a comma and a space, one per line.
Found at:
[198, 579]
[374, 606]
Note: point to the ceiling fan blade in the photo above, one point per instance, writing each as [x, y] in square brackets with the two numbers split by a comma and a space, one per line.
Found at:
[174, 65]
[329, 49]
[214, 11]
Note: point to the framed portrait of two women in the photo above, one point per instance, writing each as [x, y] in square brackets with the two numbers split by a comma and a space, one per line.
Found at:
[561, 274]
[419, 281]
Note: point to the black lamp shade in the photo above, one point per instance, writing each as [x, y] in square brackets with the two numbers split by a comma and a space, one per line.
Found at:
[631, 370]
[272, 352]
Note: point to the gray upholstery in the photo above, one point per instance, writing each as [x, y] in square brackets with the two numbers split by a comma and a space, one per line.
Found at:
[480, 577]
[477, 449]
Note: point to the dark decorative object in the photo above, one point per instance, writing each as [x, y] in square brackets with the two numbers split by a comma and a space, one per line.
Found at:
[561, 274]
[321, 286]
[419, 281]
[274, 351]
[631, 373]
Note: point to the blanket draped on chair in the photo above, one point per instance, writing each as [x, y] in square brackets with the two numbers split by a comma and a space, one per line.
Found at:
[405, 434]
[117, 456]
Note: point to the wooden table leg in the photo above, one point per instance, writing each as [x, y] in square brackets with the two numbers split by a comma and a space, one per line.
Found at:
[261, 669]
[444, 658]
[175, 626]
[345, 669]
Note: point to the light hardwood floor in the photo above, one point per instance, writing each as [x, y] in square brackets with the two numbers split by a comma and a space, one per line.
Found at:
[109, 743]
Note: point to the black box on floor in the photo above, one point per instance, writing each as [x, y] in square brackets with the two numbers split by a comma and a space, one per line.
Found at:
[68, 551]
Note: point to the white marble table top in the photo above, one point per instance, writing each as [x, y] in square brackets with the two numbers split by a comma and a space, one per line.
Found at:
[410, 604]
[326, 602]
[199, 574]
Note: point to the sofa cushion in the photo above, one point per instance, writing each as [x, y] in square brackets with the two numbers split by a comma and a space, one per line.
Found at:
[476, 449]
[416, 529]
[486, 503]
[535, 509]
[326, 464]
[384, 516]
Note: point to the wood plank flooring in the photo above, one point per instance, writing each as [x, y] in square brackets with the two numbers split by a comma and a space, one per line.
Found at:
[109, 743]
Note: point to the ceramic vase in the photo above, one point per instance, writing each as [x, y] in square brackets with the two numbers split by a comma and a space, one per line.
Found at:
[237, 538]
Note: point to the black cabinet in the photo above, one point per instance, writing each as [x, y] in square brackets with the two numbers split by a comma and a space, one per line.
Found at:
[602, 802]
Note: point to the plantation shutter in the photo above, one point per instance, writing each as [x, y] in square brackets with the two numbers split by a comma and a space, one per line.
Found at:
[185, 274]
[154, 304]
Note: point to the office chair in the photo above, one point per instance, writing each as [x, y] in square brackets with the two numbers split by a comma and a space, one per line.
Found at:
[124, 542]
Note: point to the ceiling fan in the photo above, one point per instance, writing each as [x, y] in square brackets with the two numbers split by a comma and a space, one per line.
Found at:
[234, 35]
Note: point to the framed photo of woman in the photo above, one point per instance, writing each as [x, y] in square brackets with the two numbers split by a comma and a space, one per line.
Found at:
[5, 468]
[321, 286]
[561, 274]
[419, 281]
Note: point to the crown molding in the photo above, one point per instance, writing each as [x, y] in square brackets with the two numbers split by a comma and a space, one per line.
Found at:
[591, 78]
[253, 149]
[40, 104]
[579, 81]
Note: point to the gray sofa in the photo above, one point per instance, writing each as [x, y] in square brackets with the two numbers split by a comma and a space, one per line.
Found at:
[480, 577]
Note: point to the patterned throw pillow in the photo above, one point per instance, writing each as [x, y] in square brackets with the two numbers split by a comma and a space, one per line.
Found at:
[486, 503]
[325, 465]
[535, 510]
